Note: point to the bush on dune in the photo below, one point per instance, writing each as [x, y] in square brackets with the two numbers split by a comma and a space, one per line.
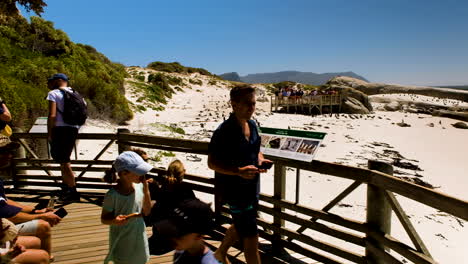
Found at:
[175, 67]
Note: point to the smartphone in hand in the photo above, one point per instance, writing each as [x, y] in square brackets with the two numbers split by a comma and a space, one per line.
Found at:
[265, 166]
[61, 212]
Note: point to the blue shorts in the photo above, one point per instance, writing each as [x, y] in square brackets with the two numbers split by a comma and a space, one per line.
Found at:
[245, 220]
[63, 142]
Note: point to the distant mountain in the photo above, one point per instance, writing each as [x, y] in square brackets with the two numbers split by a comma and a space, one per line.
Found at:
[231, 76]
[295, 76]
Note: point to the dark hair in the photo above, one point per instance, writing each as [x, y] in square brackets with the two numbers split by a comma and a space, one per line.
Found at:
[141, 152]
[239, 91]
[110, 175]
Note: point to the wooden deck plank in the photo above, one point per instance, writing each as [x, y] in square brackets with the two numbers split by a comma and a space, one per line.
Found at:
[81, 238]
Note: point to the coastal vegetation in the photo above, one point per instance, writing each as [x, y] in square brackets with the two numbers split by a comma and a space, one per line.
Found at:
[154, 89]
[31, 51]
[172, 128]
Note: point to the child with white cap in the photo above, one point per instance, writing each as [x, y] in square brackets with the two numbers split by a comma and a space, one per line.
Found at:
[123, 208]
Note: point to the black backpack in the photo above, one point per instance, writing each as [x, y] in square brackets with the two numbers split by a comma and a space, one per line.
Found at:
[74, 111]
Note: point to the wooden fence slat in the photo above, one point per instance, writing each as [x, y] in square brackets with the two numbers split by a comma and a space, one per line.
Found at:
[432, 198]
[45, 177]
[297, 248]
[92, 136]
[335, 201]
[332, 218]
[328, 168]
[49, 161]
[335, 250]
[164, 141]
[57, 168]
[96, 158]
[400, 248]
[162, 147]
[410, 230]
[26, 146]
[346, 236]
[53, 184]
[383, 256]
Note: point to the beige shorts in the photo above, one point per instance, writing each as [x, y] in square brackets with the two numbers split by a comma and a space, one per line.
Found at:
[28, 228]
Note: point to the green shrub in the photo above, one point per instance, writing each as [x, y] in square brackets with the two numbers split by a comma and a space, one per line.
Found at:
[140, 108]
[285, 84]
[196, 81]
[177, 68]
[172, 80]
[167, 67]
[140, 78]
[309, 87]
[167, 153]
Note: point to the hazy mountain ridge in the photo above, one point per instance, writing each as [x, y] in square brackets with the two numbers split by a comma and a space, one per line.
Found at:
[295, 76]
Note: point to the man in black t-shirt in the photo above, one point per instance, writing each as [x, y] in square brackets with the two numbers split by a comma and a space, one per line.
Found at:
[234, 154]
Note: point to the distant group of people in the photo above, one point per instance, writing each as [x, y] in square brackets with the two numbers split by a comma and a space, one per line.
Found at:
[292, 93]
[135, 201]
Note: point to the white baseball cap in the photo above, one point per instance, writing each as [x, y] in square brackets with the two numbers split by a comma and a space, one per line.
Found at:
[132, 162]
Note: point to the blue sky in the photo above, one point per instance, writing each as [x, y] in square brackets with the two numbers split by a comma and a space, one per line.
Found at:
[394, 41]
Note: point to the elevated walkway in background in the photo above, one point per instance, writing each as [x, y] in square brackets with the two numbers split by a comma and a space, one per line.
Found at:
[81, 238]
[306, 104]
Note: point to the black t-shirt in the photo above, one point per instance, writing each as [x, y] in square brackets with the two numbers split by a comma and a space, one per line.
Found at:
[229, 146]
[2, 189]
[168, 198]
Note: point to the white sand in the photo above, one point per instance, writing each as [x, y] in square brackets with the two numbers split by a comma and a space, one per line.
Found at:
[438, 151]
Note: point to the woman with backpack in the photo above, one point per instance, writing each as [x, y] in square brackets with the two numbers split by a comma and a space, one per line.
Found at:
[62, 132]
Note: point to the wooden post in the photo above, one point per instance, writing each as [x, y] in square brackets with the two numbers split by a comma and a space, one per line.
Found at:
[20, 153]
[379, 211]
[122, 147]
[279, 193]
[298, 184]
[218, 200]
[271, 103]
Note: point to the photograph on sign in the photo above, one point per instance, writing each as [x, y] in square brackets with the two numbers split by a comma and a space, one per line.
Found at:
[291, 144]
[308, 146]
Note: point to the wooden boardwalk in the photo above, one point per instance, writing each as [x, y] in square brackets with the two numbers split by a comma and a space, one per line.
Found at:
[81, 239]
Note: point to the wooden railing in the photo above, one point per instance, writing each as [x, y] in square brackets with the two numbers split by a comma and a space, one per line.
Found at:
[372, 235]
